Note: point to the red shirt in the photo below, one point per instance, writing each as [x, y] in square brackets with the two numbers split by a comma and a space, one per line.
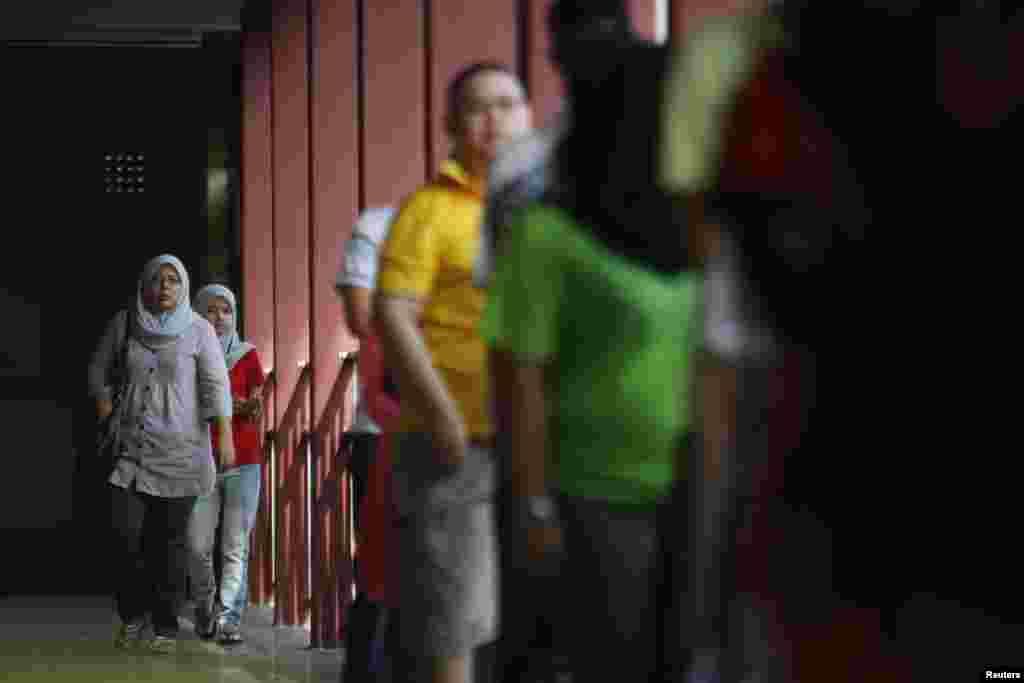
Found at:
[245, 376]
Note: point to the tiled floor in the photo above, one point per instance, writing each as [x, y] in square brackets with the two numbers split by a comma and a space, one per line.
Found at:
[57, 639]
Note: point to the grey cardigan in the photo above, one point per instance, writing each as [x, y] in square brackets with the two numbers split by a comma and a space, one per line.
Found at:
[170, 398]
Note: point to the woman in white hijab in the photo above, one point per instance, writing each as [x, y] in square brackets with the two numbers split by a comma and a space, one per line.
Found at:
[159, 375]
[233, 503]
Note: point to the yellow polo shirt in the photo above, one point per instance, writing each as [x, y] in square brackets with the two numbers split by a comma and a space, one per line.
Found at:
[429, 255]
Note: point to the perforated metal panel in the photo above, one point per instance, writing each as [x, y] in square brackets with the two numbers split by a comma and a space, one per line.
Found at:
[124, 172]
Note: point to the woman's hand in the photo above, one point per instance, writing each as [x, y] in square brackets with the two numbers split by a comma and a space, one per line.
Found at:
[226, 453]
[225, 442]
[104, 407]
[250, 409]
[255, 407]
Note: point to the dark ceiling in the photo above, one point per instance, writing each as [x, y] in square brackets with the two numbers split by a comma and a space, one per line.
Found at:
[116, 21]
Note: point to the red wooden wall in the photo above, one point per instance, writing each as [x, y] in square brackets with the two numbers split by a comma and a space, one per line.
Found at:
[343, 106]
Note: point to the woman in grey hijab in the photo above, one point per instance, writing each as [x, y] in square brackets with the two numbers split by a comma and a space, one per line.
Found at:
[164, 366]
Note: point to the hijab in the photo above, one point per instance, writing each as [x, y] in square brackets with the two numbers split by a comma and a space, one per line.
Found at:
[160, 330]
[234, 348]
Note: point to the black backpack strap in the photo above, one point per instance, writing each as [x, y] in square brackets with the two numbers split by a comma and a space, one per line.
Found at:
[121, 366]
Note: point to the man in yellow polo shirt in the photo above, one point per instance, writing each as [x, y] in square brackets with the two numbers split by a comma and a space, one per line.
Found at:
[428, 311]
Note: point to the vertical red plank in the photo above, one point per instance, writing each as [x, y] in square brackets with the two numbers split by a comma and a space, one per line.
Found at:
[257, 222]
[291, 239]
[256, 299]
[394, 71]
[677, 19]
[542, 78]
[463, 32]
[644, 15]
[335, 182]
[291, 200]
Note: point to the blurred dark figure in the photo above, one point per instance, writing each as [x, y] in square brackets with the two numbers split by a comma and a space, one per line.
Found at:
[870, 538]
[587, 42]
[587, 322]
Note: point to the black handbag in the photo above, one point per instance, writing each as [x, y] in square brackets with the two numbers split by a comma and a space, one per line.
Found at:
[109, 429]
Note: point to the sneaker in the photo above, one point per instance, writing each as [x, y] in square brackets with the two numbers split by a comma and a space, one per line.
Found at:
[206, 624]
[163, 644]
[230, 634]
[128, 634]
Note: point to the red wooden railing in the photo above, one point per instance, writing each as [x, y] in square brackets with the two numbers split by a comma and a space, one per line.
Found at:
[291, 523]
[301, 559]
[261, 554]
[332, 576]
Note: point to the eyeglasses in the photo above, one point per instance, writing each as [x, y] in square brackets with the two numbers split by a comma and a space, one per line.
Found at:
[475, 107]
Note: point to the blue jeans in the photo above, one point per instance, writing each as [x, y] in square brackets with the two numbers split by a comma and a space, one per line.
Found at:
[231, 506]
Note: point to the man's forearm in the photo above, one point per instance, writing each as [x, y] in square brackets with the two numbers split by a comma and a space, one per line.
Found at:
[715, 417]
[409, 359]
[521, 408]
[358, 305]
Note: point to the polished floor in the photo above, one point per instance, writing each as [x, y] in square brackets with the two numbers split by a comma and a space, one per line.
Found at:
[58, 638]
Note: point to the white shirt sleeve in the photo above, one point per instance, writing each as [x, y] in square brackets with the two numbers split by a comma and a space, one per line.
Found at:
[358, 266]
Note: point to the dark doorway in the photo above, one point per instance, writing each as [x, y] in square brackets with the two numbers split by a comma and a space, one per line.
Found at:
[106, 150]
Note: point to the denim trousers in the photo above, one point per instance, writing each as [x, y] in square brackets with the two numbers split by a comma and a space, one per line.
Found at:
[231, 507]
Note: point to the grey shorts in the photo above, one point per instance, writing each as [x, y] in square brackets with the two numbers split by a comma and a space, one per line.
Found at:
[447, 549]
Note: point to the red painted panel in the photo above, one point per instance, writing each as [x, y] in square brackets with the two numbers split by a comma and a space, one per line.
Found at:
[291, 206]
[257, 223]
[644, 15]
[334, 183]
[542, 77]
[687, 15]
[394, 132]
[291, 241]
[463, 32]
[677, 19]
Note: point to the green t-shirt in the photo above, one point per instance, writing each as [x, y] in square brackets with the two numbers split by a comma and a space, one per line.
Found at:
[621, 340]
